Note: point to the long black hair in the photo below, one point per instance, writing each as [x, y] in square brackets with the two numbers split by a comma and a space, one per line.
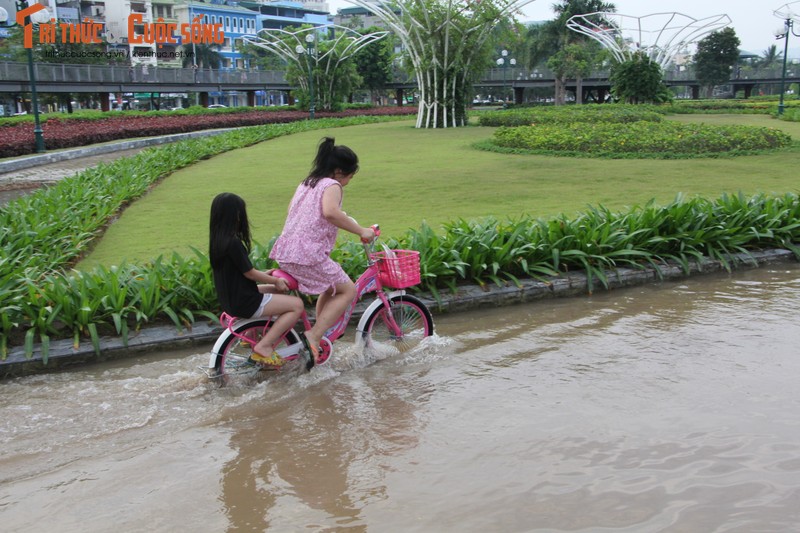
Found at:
[228, 221]
[329, 159]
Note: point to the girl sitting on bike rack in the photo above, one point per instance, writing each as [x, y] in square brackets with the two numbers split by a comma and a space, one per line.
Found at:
[242, 290]
[309, 234]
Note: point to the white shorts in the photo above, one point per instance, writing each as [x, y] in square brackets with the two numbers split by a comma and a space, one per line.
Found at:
[264, 301]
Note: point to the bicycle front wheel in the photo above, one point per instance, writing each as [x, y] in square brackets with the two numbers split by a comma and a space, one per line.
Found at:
[235, 351]
[410, 316]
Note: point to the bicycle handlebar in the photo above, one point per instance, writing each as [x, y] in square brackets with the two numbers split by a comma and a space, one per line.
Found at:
[377, 230]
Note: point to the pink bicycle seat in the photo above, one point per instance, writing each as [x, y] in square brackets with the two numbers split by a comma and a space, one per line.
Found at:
[290, 281]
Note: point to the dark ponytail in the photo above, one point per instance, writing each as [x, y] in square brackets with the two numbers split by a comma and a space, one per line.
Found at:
[329, 159]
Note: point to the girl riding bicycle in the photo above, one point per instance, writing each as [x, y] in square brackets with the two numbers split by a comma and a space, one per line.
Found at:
[303, 248]
[242, 290]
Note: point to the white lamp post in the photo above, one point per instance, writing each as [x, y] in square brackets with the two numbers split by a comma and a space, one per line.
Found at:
[310, 52]
[503, 63]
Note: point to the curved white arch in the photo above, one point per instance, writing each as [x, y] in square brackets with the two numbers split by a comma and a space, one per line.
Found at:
[432, 66]
[789, 11]
[291, 46]
[659, 35]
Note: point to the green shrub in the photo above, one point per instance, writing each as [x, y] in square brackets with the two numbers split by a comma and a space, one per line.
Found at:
[639, 139]
[761, 107]
[117, 299]
[791, 114]
[492, 251]
[610, 113]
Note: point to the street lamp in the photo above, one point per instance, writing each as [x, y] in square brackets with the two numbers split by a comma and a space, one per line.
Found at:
[788, 17]
[310, 52]
[37, 18]
[501, 62]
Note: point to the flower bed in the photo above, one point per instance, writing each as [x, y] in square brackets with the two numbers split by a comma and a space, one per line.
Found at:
[18, 138]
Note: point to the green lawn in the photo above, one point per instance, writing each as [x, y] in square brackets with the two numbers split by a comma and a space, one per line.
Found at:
[408, 176]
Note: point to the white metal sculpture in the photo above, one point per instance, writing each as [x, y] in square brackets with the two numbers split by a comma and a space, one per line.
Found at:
[659, 35]
[441, 49]
[790, 11]
[291, 46]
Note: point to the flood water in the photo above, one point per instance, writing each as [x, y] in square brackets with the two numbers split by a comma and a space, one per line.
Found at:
[672, 407]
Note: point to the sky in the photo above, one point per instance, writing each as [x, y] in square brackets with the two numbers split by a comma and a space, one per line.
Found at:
[753, 20]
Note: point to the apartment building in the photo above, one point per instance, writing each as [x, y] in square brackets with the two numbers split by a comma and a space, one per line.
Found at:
[236, 19]
[233, 20]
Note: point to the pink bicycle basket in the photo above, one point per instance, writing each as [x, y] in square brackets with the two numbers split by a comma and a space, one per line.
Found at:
[397, 269]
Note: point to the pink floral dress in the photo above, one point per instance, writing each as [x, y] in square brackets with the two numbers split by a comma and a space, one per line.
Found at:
[303, 248]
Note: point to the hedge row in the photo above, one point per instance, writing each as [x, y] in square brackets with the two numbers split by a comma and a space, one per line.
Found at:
[640, 139]
[18, 138]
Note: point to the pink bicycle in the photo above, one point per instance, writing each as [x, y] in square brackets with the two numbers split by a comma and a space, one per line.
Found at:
[394, 320]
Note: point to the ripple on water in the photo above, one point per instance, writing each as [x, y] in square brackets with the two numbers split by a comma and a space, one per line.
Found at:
[663, 408]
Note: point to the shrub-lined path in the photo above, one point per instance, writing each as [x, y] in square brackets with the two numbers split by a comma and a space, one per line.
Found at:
[16, 183]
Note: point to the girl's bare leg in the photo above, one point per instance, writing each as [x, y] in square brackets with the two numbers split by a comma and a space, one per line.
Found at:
[288, 310]
[330, 309]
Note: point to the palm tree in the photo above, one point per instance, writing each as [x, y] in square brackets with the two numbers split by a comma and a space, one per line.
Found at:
[202, 55]
[552, 37]
[770, 57]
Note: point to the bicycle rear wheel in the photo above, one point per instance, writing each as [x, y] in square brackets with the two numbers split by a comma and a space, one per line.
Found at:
[233, 355]
[412, 318]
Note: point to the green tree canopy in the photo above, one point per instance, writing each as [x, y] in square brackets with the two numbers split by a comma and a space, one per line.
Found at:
[569, 54]
[260, 58]
[716, 55]
[546, 39]
[58, 52]
[446, 45]
[333, 75]
[770, 57]
[638, 81]
[374, 63]
[202, 55]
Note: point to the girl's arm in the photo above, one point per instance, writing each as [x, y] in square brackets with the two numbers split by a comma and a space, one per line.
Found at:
[331, 200]
[262, 277]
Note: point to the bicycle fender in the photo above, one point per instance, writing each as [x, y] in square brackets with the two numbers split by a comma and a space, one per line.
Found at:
[362, 323]
[223, 337]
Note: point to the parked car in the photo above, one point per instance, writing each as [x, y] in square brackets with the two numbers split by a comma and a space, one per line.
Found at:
[217, 106]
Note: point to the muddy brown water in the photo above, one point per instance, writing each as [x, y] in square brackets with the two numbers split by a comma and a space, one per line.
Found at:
[672, 407]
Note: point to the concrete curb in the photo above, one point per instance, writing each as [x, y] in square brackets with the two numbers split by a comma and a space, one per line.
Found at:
[63, 354]
[31, 161]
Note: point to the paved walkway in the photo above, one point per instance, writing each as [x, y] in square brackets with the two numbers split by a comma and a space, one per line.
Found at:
[21, 175]
[16, 183]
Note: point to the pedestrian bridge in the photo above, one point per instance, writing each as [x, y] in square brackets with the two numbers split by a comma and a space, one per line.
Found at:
[63, 78]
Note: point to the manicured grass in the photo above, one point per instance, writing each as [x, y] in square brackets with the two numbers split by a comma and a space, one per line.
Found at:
[408, 176]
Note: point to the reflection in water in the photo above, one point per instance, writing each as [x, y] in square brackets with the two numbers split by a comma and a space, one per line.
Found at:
[662, 408]
[319, 454]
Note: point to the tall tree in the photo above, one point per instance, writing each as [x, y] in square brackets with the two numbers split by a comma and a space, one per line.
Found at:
[715, 58]
[551, 39]
[332, 80]
[259, 58]
[770, 57]
[374, 64]
[573, 61]
[446, 45]
[202, 55]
